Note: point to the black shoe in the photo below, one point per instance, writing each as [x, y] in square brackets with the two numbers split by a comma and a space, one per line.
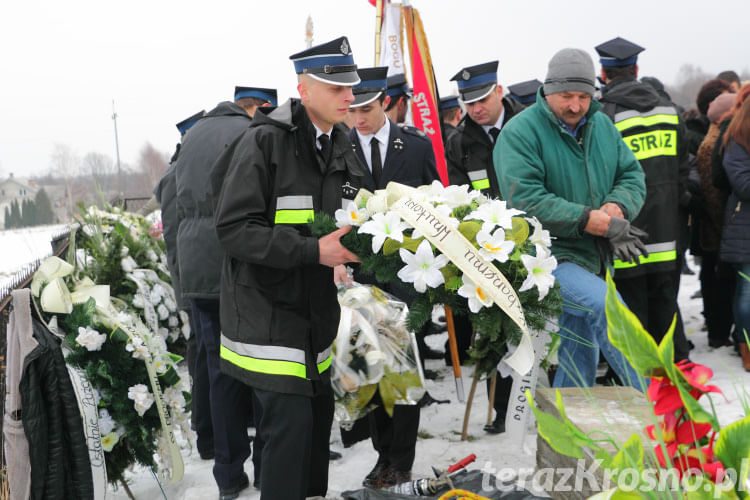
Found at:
[234, 492]
[374, 478]
[207, 455]
[393, 477]
[496, 427]
[333, 455]
[719, 342]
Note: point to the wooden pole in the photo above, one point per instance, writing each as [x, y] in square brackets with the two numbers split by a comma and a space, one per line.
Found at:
[464, 430]
[378, 26]
[455, 360]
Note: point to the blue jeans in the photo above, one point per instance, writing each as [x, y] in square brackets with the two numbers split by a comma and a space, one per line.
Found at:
[583, 330]
[742, 302]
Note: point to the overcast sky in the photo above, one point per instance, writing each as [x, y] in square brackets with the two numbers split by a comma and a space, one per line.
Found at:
[161, 60]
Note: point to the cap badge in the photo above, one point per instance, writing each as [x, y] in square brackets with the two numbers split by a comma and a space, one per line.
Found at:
[344, 47]
[465, 75]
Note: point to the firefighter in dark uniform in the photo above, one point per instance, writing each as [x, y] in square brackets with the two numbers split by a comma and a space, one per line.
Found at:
[450, 110]
[651, 126]
[399, 93]
[524, 92]
[279, 311]
[392, 153]
[469, 152]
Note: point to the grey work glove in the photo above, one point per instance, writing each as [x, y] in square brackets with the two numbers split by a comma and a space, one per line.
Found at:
[626, 240]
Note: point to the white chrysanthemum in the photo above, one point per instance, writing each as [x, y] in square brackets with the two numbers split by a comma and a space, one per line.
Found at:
[456, 196]
[157, 343]
[90, 338]
[173, 322]
[351, 215]
[171, 305]
[539, 236]
[186, 330]
[493, 214]
[152, 256]
[161, 364]
[124, 251]
[138, 348]
[184, 318]
[377, 203]
[494, 246]
[106, 422]
[142, 398]
[174, 397]
[138, 301]
[382, 226]
[163, 312]
[422, 267]
[476, 296]
[123, 318]
[155, 295]
[540, 271]
[128, 264]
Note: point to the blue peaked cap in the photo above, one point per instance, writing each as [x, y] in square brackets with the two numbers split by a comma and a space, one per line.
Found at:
[268, 95]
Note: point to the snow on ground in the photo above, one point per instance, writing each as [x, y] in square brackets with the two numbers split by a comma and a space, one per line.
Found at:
[440, 425]
[21, 247]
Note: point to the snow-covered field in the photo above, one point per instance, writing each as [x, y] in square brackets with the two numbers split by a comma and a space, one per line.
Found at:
[20, 247]
[440, 425]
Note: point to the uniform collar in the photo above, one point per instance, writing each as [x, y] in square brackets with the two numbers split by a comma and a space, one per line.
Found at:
[381, 135]
[498, 125]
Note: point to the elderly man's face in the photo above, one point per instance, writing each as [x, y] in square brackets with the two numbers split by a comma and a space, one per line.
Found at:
[569, 106]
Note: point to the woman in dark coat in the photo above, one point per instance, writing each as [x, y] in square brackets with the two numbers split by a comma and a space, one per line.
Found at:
[735, 240]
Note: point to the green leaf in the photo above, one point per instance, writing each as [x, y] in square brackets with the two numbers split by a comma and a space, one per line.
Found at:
[557, 434]
[365, 394]
[519, 232]
[175, 357]
[700, 487]
[102, 370]
[733, 449]
[469, 229]
[119, 335]
[630, 455]
[627, 334]
[169, 377]
[387, 395]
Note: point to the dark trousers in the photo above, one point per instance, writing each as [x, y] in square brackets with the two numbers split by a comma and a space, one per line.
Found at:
[503, 388]
[230, 399]
[394, 438]
[652, 297]
[717, 287]
[200, 405]
[295, 430]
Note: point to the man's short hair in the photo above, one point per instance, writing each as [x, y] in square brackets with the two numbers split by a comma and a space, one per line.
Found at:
[249, 102]
[393, 102]
[614, 72]
[729, 77]
[450, 114]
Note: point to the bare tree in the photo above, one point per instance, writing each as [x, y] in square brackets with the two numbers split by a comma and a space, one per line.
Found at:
[152, 165]
[100, 168]
[65, 165]
[688, 83]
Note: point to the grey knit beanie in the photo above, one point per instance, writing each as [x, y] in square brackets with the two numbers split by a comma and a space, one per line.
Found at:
[570, 69]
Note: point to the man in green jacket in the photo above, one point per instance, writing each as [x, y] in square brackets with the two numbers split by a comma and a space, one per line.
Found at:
[565, 164]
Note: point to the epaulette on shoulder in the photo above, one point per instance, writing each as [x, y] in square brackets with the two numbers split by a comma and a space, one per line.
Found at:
[412, 130]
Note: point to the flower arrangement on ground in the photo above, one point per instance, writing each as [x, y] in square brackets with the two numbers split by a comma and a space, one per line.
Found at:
[114, 305]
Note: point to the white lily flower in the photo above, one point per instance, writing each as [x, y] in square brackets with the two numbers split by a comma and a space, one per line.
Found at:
[494, 246]
[90, 338]
[109, 441]
[106, 422]
[382, 226]
[435, 192]
[161, 365]
[138, 348]
[422, 268]
[351, 215]
[493, 214]
[477, 297]
[539, 236]
[540, 271]
[142, 398]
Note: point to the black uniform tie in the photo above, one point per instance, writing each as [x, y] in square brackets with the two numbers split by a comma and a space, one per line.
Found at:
[494, 132]
[377, 165]
[325, 147]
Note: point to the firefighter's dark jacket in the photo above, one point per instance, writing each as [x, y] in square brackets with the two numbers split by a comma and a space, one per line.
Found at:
[469, 153]
[652, 128]
[279, 311]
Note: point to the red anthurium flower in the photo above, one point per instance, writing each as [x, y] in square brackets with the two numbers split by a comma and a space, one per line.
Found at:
[690, 432]
[667, 428]
[665, 395]
[698, 376]
[715, 470]
[659, 452]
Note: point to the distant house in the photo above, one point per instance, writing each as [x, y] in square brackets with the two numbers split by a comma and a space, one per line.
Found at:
[15, 188]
